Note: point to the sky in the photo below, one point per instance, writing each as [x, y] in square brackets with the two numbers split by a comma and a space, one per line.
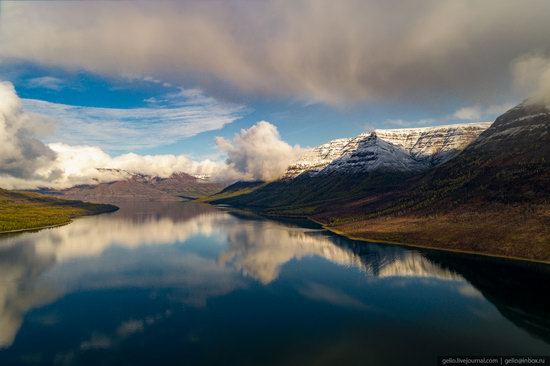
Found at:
[239, 89]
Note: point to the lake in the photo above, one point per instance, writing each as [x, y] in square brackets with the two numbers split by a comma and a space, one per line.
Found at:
[192, 284]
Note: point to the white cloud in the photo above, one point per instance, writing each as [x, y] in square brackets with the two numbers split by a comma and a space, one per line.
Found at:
[79, 164]
[169, 119]
[258, 152]
[21, 154]
[477, 112]
[532, 76]
[75, 165]
[473, 113]
[468, 113]
[46, 82]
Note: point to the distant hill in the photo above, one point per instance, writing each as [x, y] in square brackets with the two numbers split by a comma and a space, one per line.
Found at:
[25, 210]
[141, 187]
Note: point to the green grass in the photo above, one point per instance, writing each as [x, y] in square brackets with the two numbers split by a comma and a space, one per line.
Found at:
[24, 210]
[220, 197]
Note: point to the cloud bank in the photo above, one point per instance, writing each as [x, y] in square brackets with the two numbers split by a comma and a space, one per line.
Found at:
[28, 163]
[315, 50]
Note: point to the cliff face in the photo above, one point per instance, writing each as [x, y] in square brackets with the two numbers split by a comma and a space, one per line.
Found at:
[408, 149]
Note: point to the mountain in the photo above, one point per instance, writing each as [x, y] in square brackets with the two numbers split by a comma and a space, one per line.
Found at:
[374, 154]
[392, 149]
[353, 168]
[26, 210]
[141, 187]
[485, 189]
[508, 163]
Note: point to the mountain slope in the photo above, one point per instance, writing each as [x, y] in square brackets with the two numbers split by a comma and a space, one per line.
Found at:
[493, 197]
[374, 154]
[25, 210]
[141, 187]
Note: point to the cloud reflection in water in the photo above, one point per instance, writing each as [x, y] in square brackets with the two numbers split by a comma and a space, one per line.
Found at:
[148, 246]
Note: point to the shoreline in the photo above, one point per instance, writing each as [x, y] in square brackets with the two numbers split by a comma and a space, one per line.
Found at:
[427, 247]
[387, 242]
[37, 228]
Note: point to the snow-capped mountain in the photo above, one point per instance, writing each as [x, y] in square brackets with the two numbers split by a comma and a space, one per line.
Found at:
[434, 145]
[373, 153]
[407, 149]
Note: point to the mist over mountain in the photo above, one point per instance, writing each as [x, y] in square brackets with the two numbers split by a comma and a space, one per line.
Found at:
[137, 187]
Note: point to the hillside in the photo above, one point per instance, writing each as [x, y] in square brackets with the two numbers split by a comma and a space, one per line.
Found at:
[141, 187]
[492, 197]
[24, 210]
[351, 169]
[236, 189]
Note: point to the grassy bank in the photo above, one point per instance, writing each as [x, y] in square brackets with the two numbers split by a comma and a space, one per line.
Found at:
[24, 210]
[518, 230]
[515, 231]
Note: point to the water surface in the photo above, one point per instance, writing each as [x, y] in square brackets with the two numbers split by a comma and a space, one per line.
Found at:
[185, 283]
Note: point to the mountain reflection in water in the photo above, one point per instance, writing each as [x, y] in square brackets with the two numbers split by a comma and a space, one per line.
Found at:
[206, 253]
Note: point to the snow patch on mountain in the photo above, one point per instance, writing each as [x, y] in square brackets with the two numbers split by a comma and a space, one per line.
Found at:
[373, 153]
[434, 145]
[408, 149]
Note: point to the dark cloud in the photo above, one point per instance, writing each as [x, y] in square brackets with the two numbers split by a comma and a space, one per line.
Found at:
[315, 50]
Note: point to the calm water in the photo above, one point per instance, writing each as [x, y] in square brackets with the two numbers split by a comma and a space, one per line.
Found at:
[188, 284]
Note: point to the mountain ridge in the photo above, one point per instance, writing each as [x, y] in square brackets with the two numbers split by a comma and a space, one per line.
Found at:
[412, 149]
[141, 187]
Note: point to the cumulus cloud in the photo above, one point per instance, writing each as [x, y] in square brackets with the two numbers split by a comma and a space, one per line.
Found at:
[168, 120]
[316, 50]
[21, 154]
[532, 75]
[258, 152]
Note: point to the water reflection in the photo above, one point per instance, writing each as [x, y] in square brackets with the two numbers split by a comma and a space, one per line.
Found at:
[262, 247]
[163, 247]
[519, 291]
